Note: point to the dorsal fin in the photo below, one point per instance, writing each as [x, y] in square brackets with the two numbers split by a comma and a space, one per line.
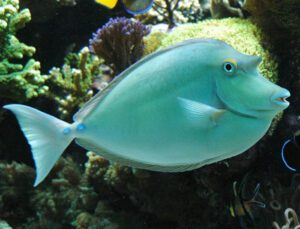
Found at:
[94, 101]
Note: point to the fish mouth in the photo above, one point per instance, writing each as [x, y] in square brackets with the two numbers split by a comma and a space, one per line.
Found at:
[282, 99]
[279, 98]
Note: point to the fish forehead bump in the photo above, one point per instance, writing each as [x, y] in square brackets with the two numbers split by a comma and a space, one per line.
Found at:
[253, 61]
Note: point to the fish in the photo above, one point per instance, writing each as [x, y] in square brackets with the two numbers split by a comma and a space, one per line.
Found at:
[290, 152]
[242, 207]
[178, 109]
[131, 6]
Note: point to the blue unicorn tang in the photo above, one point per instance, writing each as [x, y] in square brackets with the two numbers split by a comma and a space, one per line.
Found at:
[178, 109]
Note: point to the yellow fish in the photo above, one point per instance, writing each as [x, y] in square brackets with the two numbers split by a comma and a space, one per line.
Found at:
[108, 3]
[131, 6]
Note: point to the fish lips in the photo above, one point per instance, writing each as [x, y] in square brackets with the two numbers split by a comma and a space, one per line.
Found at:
[279, 98]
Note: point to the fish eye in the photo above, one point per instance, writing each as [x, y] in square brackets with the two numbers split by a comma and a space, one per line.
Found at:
[229, 65]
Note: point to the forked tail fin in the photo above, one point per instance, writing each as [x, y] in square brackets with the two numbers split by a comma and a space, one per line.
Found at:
[47, 136]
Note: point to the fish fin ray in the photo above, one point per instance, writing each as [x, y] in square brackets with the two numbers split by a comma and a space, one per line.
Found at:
[45, 136]
[199, 113]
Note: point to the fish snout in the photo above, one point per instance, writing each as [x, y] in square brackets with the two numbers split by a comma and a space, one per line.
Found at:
[279, 98]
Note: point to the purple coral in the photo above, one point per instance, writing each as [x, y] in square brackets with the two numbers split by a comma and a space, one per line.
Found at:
[119, 42]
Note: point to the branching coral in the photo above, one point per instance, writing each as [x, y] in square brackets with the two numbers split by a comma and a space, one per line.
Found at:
[62, 194]
[17, 81]
[70, 86]
[226, 8]
[103, 195]
[172, 12]
[69, 198]
[96, 168]
[111, 175]
[119, 42]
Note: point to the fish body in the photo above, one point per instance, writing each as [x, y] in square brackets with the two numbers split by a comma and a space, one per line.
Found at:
[131, 6]
[178, 109]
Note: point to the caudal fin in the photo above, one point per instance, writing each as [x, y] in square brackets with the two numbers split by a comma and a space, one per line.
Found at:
[47, 135]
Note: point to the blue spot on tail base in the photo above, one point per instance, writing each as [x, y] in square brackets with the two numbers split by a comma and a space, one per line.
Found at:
[80, 127]
[67, 130]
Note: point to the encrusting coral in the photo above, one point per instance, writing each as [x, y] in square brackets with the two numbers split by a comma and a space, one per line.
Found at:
[18, 81]
[119, 42]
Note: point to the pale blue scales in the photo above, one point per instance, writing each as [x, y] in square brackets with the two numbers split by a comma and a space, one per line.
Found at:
[178, 109]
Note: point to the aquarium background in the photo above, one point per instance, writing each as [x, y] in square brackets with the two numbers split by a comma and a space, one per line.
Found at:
[54, 56]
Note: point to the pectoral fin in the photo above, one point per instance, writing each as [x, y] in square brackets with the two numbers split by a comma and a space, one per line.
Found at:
[200, 114]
